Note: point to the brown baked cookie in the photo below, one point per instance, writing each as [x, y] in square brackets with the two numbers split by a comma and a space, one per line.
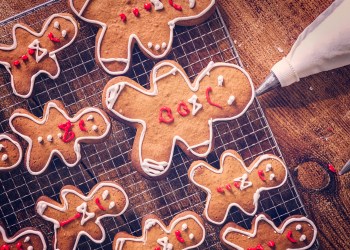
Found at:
[10, 152]
[185, 231]
[148, 23]
[80, 215]
[25, 239]
[58, 134]
[296, 232]
[175, 111]
[34, 53]
[234, 184]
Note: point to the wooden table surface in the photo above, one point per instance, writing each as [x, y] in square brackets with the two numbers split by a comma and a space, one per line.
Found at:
[310, 120]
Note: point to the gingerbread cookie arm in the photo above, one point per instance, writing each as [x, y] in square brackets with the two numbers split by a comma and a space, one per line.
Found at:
[11, 153]
[26, 238]
[296, 232]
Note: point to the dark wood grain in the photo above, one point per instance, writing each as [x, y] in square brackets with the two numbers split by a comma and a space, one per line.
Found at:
[311, 119]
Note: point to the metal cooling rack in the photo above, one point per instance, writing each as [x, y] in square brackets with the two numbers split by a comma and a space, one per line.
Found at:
[79, 85]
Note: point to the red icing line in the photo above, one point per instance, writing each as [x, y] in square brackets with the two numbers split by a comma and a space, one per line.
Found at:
[65, 222]
[19, 246]
[208, 90]
[331, 168]
[53, 38]
[98, 203]
[271, 243]
[176, 6]
[182, 109]
[82, 125]
[5, 247]
[228, 186]
[16, 63]
[123, 17]
[148, 6]
[290, 237]
[261, 175]
[169, 114]
[24, 58]
[178, 236]
[136, 12]
[237, 184]
[68, 134]
[220, 190]
[157, 248]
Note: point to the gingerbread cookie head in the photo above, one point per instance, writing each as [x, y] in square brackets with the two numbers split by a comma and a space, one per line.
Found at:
[34, 53]
[79, 215]
[57, 134]
[10, 152]
[296, 232]
[185, 231]
[26, 238]
[234, 184]
[175, 111]
[150, 24]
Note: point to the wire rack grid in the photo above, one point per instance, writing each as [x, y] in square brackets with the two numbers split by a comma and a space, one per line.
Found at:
[80, 84]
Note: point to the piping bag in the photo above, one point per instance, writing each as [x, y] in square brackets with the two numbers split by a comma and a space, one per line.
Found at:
[322, 46]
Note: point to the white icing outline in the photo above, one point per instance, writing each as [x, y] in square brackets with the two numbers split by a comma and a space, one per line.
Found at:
[116, 89]
[262, 217]
[42, 205]
[132, 37]
[152, 222]
[18, 146]
[52, 54]
[11, 240]
[54, 152]
[220, 171]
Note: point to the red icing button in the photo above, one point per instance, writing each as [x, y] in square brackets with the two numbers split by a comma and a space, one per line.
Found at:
[228, 186]
[123, 17]
[331, 168]
[16, 63]
[182, 109]
[271, 243]
[237, 185]
[208, 90]
[290, 237]
[169, 114]
[24, 58]
[261, 175]
[148, 6]
[157, 248]
[19, 246]
[136, 12]
[220, 190]
[259, 247]
[31, 51]
[5, 247]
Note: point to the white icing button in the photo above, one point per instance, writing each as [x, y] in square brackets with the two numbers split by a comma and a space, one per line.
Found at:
[298, 227]
[150, 45]
[111, 205]
[59, 135]
[230, 100]
[164, 45]
[49, 138]
[220, 80]
[30, 248]
[192, 3]
[4, 157]
[27, 239]
[184, 227]
[157, 47]
[64, 33]
[56, 25]
[90, 118]
[94, 128]
[272, 176]
[1, 147]
[303, 237]
[268, 167]
[105, 194]
[40, 139]
[191, 236]
[157, 4]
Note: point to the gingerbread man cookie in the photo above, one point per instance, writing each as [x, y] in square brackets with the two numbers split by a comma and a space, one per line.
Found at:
[296, 232]
[234, 184]
[25, 239]
[80, 215]
[10, 152]
[58, 134]
[148, 23]
[185, 231]
[34, 53]
[175, 111]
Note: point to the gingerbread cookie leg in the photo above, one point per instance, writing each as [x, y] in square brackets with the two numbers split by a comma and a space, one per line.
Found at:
[296, 232]
[80, 215]
[10, 152]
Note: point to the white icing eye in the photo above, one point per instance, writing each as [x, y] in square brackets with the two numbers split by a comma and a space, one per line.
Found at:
[59, 135]
[272, 176]
[150, 45]
[1, 147]
[90, 118]
[192, 3]
[220, 80]
[64, 33]
[4, 157]
[27, 239]
[157, 47]
[303, 237]
[231, 99]
[191, 236]
[164, 45]
[94, 128]
[268, 167]
[56, 25]
[184, 227]
[30, 248]
[40, 139]
[111, 205]
[298, 227]
[105, 194]
[49, 138]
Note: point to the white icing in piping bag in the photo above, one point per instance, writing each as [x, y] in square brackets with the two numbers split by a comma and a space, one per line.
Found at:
[322, 46]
